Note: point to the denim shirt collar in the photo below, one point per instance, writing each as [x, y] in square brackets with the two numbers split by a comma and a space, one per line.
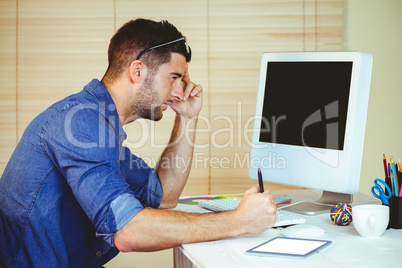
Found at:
[106, 103]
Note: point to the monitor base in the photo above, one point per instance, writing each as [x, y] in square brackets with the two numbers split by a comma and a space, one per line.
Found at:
[322, 205]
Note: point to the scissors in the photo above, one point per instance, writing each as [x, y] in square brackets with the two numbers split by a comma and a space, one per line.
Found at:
[379, 193]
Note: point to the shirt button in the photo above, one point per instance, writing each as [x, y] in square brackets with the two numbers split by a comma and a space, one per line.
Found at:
[98, 254]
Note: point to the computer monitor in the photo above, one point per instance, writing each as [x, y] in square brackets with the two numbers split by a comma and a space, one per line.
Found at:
[309, 123]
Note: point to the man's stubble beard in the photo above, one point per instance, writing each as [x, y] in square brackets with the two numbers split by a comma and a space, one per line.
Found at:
[147, 102]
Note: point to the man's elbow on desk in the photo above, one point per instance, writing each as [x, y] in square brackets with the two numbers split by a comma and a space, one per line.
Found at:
[170, 204]
[131, 236]
[131, 243]
[143, 233]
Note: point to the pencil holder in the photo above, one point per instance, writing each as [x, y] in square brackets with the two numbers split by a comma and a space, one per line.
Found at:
[388, 182]
[395, 212]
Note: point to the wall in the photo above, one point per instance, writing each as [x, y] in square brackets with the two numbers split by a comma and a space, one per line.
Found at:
[374, 26]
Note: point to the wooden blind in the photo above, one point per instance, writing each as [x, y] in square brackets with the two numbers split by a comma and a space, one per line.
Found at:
[239, 34]
[50, 49]
[8, 80]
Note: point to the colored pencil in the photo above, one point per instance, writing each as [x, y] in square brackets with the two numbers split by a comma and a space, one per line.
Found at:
[400, 165]
[389, 169]
[395, 178]
[385, 165]
[400, 192]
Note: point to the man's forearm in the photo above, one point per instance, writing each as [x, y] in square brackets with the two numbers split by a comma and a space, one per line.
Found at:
[173, 228]
[155, 229]
[175, 163]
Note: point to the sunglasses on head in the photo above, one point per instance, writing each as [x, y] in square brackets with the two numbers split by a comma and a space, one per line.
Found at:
[184, 39]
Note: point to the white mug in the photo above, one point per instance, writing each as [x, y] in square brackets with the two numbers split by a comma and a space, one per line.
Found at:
[370, 220]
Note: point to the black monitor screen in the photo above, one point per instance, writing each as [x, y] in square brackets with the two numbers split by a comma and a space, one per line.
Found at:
[306, 104]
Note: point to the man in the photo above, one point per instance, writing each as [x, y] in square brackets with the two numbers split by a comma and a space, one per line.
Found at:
[72, 196]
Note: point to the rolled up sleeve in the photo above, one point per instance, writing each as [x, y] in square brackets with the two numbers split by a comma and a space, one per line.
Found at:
[142, 180]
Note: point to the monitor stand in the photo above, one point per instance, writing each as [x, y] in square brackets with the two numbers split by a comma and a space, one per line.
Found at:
[328, 198]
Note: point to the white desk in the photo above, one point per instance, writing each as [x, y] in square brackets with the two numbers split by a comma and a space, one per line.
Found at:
[348, 248]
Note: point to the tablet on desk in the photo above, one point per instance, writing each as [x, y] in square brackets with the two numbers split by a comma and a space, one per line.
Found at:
[288, 247]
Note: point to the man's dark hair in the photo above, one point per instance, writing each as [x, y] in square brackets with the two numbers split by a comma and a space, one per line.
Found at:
[137, 35]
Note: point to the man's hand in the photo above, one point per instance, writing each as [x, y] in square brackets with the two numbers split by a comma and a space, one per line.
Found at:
[255, 213]
[180, 146]
[257, 210]
[191, 104]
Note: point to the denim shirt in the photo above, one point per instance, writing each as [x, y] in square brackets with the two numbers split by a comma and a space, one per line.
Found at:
[70, 185]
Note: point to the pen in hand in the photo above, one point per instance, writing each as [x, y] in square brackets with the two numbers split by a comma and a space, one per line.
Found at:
[260, 181]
